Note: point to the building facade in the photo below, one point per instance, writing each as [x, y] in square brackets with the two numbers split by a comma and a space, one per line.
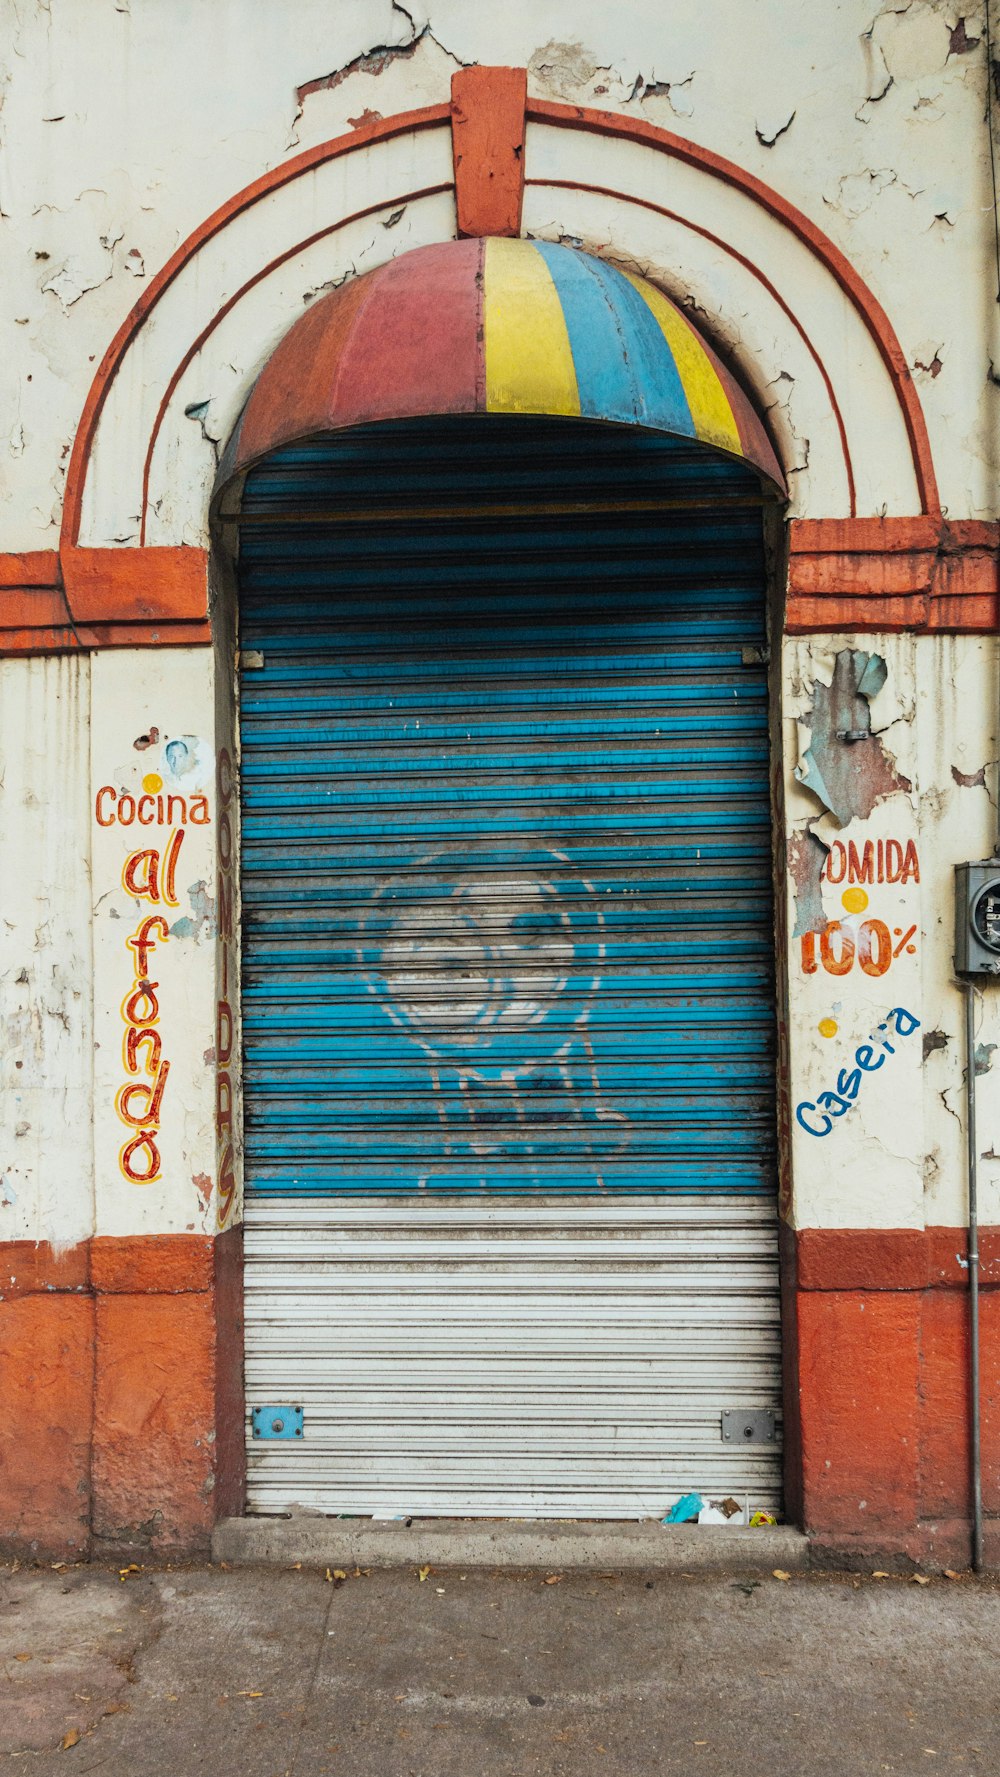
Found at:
[499, 668]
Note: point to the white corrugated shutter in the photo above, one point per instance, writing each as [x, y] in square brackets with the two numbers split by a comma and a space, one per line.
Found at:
[531, 1359]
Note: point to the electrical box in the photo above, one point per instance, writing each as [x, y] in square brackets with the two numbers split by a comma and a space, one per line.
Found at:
[977, 918]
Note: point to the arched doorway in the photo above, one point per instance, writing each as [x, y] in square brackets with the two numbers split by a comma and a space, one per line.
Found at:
[507, 916]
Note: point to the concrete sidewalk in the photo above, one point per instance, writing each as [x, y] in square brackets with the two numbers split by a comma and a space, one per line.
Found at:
[285, 1673]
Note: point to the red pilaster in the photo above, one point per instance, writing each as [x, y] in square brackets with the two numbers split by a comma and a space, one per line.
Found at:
[122, 1377]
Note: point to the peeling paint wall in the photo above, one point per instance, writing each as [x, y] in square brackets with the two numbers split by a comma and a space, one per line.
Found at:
[46, 1049]
[871, 917]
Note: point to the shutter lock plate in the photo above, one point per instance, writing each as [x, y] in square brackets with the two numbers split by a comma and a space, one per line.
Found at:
[742, 1425]
[276, 1422]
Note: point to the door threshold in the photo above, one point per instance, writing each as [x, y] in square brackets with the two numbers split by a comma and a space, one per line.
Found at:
[514, 1543]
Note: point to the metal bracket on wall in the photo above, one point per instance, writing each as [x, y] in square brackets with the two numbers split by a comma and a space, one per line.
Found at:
[280, 1421]
[742, 1425]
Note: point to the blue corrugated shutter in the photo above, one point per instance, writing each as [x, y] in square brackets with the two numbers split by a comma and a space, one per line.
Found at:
[507, 904]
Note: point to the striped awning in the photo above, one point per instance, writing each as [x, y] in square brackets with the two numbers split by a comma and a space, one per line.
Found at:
[498, 326]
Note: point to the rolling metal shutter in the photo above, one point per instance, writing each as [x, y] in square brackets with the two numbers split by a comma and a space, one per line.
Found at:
[508, 939]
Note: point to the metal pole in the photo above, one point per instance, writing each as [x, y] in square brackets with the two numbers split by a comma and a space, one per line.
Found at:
[975, 1438]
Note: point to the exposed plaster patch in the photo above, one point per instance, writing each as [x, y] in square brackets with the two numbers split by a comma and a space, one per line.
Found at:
[960, 43]
[844, 764]
[330, 283]
[90, 232]
[373, 63]
[677, 93]
[564, 67]
[768, 129]
[928, 361]
[983, 1057]
[203, 908]
[968, 780]
[878, 80]
[569, 70]
[912, 40]
[806, 857]
[204, 1187]
[943, 1096]
[855, 193]
[796, 447]
[199, 411]
[934, 1040]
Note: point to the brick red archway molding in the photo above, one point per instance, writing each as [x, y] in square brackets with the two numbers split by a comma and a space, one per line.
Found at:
[858, 573]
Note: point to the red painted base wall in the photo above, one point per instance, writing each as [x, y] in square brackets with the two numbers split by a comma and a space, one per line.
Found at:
[121, 1369]
[877, 1366]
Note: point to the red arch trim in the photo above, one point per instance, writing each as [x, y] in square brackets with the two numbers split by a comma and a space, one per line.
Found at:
[558, 116]
[384, 129]
[194, 348]
[876, 321]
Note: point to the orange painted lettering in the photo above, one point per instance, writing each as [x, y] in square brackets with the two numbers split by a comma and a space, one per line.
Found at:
[223, 1105]
[837, 855]
[128, 1155]
[141, 874]
[148, 1039]
[833, 964]
[223, 1033]
[143, 995]
[142, 943]
[874, 947]
[860, 869]
[150, 1113]
[172, 854]
[224, 778]
[225, 907]
[227, 1182]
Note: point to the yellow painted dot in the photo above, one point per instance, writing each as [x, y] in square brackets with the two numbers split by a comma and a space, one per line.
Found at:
[854, 900]
[828, 1027]
[152, 782]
